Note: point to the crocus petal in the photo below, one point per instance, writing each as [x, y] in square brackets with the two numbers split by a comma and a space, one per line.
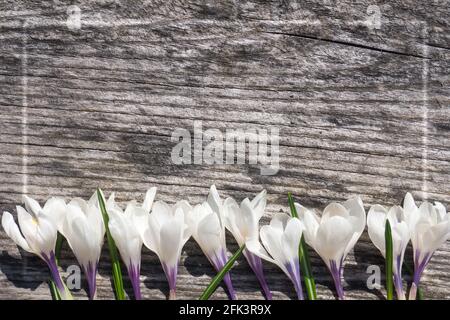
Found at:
[80, 240]
[400, 236]
[117, 225]
[279, 221]
[243, 222]
[311, 222]
[126, 237]
[214, 200]
[149, 198]
[171, 275]
[80, 203]
[151, 236]
[376, 219]
[293, 272]
[27, 223]
[271, 239]
[333, 236]
[357, 219]
[84, 232]
[171, 241]
[255, 264]
[161, 212]
[246, 221]
[93, 200]
[434, 237]
[428, 212]
[90, 270]
[231, 212]
[138, 217]
[336, 271]
[32, 205]
[411, 212]
[12, 230]
[442, 211]
[259, 204]
[281, 239]
[291, 239]
[334, 209]
[376, 222]
[218, 261]
[126, 229]
[55, 209]
[408, 203]
[39, 232]
[134, 274]
[166, 236]
[208, 234]
[429, 227]
[46, 235]
[256, 248]
[111, 203]
[184, 208]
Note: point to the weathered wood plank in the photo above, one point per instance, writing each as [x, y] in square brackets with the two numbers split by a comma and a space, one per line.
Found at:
[360, 110]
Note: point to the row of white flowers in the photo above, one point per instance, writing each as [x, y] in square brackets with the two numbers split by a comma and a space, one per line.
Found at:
[164, 229]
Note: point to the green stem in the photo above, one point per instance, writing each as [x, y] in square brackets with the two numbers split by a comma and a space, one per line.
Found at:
[54, 291]
[116, 270]
[305, 264]
[219, 277]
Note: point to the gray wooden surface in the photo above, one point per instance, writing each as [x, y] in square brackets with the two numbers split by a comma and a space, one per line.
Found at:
[362, 108]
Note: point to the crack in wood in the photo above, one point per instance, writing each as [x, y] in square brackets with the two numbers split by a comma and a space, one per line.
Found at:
[346, 43]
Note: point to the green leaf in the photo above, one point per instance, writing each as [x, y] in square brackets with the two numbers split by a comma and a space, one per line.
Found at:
[389, 261]
[305, 264]
[116, 270]
[218, 278]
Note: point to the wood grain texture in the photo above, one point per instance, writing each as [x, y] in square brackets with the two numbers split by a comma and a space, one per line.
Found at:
[361, 111]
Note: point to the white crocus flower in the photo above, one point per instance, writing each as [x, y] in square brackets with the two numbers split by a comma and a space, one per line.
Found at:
[126, 229]
[243, 222]
[38, 233]
[83, 227]
[334, 234]
[376, 223]
[166, 234]
[209, 232]
[429, 227]
[281, 240]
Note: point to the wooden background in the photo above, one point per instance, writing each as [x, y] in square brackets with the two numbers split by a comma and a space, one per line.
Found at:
[362, 108]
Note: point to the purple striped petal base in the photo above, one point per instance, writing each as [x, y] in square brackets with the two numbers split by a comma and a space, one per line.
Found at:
[51, 263]
[171, 275]
[256, 264]
[336, 272]
[398, 283]
[218, 260]
[134, 273]
[293, 269]
[419, 267]
[90, 272]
